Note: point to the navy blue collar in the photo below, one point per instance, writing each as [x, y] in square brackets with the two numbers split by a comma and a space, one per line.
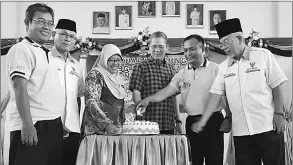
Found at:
[42, 47]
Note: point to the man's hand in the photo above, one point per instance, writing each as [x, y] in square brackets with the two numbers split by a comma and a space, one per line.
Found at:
[226, 125]
[197, 127]
[29, 135]
[279, 123]
[141, 106]
[178, 128]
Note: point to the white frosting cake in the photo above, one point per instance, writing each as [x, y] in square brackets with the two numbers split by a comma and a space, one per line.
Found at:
[140, 127]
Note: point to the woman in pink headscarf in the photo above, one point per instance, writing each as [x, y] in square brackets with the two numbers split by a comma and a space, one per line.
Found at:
[105, 93]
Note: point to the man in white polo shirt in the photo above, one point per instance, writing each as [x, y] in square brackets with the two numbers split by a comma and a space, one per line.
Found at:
[253, 83]
[70, 74]
[37, 98]
[194, 82]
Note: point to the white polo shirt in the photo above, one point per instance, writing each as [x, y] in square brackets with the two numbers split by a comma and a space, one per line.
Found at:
[248, 85]
[46, 98]
[71, 79]
[194, 86]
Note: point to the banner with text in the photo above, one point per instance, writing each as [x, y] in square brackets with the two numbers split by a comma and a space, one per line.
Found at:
[129, 62]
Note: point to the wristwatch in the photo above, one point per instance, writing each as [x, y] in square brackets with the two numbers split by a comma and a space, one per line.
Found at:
[280, 114]
[178, 121]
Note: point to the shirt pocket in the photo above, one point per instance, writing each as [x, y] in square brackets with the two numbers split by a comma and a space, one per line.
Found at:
[255, 78]
[231, 79]
[72, 82]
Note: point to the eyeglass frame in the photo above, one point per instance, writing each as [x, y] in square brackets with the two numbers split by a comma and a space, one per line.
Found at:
[66, 35]
[43, 22]
[115, 60]
[226, 42]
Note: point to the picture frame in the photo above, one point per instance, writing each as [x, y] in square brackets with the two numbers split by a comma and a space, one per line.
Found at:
[101, 23]
[215, 17]
[146, 9]
[194, 15]
[170, 8]
[123, 17]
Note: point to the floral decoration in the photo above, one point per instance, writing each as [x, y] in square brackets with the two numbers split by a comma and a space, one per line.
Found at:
[19, 39]
[254, 41]
[143, 39]
[86, 44]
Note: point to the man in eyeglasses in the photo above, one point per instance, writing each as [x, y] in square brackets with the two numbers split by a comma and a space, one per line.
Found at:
[253, 82]
[193, 82]
[70, 76]
[152, 75]
[37, 99]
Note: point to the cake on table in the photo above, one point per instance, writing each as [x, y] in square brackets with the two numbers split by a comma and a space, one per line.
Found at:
[140, 127]
[132, 126]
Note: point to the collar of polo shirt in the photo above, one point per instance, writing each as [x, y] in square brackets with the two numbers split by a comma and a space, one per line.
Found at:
[55, 53]
[32, 42]
[204, 64]
[245, 56]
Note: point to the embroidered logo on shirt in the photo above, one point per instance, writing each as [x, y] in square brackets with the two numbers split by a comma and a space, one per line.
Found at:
[73, 72]
[252, 68]
[20, 67]
[73, 69]
[229, 75]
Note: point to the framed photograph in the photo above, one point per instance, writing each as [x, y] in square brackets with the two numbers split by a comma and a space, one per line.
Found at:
[216, 16]
[194, 15]
[171, 8]
[146, 9]
[123, 17]
[101, 22]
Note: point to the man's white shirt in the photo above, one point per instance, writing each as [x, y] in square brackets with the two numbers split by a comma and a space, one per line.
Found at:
[46, 99]
[71, 79]
[248, 85]
[103, 29]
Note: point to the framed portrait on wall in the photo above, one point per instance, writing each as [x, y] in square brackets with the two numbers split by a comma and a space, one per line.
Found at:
[194, 15]
[101, 22]
[215, 16]
[170, 8]
[146, 8]
[123, 17]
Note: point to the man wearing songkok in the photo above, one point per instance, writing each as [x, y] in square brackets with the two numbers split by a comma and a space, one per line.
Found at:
[71, 79]
[37, 97]
[194, 82]
[254, 85]
[101, 24]
[152, 75]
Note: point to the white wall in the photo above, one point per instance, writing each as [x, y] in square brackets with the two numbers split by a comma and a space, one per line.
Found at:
[8, 20]
[263, 17]
[285, 19]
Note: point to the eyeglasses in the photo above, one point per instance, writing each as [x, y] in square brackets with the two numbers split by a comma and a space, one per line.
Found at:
[115, 60]
[226, 42]
[43, 22]
[65, 35]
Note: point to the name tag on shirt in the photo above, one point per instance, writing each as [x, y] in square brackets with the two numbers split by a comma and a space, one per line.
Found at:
[252, 68]
[229, 75]
[74, 73]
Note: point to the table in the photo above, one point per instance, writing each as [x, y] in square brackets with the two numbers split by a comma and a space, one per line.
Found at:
[134, 150]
